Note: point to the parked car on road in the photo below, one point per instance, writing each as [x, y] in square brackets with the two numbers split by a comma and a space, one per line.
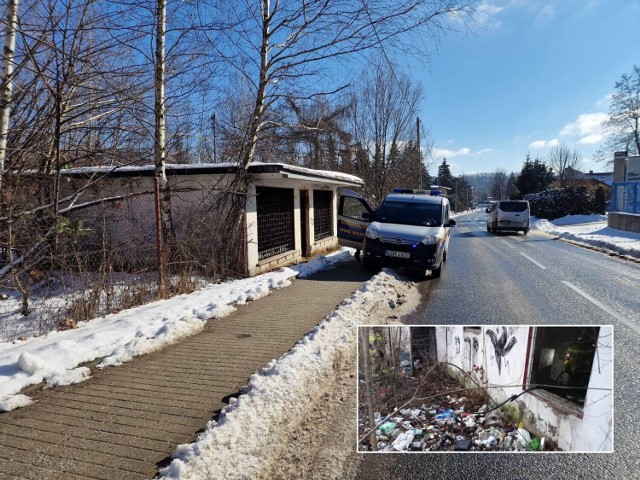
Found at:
[410, 229]
[508, 215]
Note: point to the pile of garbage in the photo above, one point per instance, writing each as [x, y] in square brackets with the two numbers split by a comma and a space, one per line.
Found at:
[437, 428]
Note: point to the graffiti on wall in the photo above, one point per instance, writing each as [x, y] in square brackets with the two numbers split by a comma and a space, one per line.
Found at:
[471, 348]
[501, 346]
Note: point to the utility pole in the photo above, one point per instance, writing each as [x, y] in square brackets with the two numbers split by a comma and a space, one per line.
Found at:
[213, 125]
[419, 153]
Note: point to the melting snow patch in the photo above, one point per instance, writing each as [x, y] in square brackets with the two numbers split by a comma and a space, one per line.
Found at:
[13, 402]
[165, 335]
[30, 363]
[277, 398]
[69, 377]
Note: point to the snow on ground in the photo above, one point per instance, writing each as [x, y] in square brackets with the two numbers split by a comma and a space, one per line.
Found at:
[117, 338]
[591, 230]
[253, 426]
[238, 445]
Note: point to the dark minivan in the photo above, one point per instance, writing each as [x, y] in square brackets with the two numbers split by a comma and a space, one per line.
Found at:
[410, 229]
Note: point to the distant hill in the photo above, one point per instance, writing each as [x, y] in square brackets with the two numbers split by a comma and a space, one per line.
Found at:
[481, 183]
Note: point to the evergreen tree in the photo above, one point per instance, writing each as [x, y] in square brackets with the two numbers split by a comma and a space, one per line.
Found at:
[460, 194]
[599, 202]
[445, 178]
[512, 190]
[534, 177]
[410, 165]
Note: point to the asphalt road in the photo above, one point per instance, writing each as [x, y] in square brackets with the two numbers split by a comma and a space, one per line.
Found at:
[510, 278]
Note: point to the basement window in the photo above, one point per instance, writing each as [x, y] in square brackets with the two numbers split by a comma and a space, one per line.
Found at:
[562, 360]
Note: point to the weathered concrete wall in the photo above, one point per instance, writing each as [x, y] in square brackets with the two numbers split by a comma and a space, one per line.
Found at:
[591, 428]
[624, 221]
[131, 221]
[505, 357]
[496, 356]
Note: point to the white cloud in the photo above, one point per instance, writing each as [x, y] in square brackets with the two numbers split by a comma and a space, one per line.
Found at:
[445, 152]
[586, 130]
[461, 152]
[544, 143]
[586, 124]
[591, 139]
[490, 13]
[486, 14]
[604, 101]
[546, 13]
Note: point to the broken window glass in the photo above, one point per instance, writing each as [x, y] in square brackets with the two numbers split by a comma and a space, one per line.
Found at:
[562, 360]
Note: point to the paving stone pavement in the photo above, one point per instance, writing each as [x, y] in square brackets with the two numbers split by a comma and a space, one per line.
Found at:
[126, 421]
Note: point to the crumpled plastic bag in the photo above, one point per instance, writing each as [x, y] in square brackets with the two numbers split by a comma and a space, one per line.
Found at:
[523, 437]
[403, 441]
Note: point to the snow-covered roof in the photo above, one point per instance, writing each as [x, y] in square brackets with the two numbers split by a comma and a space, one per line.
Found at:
[602, 177]
[256, 168]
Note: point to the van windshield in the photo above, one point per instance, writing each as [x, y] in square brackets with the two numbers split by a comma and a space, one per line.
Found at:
[513, 206]
[410, 213]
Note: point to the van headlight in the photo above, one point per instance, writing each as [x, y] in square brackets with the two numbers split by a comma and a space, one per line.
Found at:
[433, 238]
[372, 232]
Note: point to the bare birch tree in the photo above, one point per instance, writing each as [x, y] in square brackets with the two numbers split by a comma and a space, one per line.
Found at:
[6, 88]
[286, 49]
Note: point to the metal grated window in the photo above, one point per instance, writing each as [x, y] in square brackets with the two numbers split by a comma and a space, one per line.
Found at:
[323, 220]
[275, 221]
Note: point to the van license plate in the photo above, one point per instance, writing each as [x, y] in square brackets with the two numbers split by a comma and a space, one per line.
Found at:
[393, 253]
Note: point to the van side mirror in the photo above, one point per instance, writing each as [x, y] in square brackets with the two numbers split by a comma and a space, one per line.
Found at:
[452, 223]
[365, 216]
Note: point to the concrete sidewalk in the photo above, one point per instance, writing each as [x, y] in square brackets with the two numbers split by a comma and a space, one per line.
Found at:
[126, 421]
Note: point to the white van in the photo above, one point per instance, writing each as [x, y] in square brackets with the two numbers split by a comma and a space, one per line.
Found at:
[508, 215]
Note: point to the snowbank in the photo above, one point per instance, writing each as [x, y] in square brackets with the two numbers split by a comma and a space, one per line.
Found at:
[591, 230]
[240, 444]
[118, 338]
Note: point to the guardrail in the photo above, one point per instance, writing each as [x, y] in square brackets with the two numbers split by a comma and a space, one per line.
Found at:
[624, 197]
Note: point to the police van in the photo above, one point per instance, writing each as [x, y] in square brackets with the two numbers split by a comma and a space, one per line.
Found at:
[410, 229]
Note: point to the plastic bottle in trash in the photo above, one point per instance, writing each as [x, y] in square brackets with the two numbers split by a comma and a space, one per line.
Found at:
[385, 427]
[444, 415]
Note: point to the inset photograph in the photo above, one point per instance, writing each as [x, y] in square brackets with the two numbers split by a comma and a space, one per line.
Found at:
[504, 388]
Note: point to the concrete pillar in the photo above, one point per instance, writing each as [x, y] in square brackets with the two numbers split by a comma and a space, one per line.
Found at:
[252, 229]
[297, 212]
[620, 161]
[633, 169]
[312, 216]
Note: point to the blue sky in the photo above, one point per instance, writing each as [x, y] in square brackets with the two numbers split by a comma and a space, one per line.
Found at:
[532, 74]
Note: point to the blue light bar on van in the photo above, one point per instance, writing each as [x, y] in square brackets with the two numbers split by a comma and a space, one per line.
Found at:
[415, 191]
